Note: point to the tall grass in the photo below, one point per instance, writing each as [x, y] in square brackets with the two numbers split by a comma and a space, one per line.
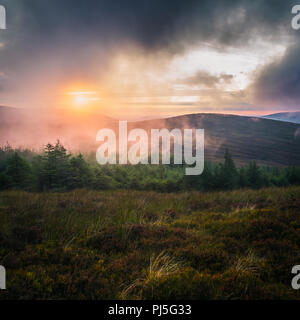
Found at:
[90, 244]
[160, 265]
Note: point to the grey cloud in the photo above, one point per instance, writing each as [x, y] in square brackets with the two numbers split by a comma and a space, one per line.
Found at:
[279, 82]
[151, 23]
[69, 34]
[206, 79]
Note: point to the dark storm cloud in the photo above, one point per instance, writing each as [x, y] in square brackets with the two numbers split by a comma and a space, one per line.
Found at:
[65, 32]
[279, 82]
[151, 23]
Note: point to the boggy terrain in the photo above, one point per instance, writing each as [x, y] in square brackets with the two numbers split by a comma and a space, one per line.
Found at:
[88, 244]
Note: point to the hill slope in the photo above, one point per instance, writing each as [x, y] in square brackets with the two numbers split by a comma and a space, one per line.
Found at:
[247, 138]
[293, 117]
[266, 141]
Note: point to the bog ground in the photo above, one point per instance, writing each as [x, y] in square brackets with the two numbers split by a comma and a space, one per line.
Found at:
[145, 245]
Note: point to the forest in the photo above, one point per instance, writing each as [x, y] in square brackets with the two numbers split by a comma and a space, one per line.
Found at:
[55, 169]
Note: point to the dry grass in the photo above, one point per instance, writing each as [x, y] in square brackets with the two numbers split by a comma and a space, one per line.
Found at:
[160, 266]
[251, 264]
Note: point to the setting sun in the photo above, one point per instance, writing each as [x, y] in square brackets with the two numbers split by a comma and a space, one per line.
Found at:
[81, 98]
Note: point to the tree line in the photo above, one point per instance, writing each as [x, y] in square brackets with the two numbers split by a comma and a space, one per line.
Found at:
[56, 169]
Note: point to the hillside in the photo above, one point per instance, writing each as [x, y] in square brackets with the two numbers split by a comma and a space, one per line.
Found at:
[247, 138]
[293, 117]
[267, 141]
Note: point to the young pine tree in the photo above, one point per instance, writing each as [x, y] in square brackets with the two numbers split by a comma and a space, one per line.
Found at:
[18, 172]
[226, 175]
[81, 175]
[254, 175]
[56, 169]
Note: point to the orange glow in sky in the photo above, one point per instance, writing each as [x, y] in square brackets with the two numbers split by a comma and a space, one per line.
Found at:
[83, 98]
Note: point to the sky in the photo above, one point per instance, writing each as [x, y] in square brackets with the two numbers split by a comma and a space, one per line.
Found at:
[140, 59]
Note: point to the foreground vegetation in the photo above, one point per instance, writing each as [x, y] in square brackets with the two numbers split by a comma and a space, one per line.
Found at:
[89, 244]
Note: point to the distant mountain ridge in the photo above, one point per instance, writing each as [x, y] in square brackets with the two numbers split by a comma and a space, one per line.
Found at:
[293, 117]
[274, 143]
[247, 138]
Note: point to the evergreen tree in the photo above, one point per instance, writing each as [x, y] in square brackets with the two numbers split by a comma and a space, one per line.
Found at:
[102, 181]
[6, 153]
[230, 172]
[293, 175]
[18, 172]
[243, 178]
[226, 175]
[207, 178]
[254, 175]
[80, 175]
[56, 167]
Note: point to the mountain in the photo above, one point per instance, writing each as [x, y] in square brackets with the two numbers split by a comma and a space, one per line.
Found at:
[269, 142]
[293, 117]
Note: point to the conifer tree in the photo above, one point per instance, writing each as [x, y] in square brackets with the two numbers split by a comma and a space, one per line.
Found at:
[18, 172]
[56, 167]
[254, 175]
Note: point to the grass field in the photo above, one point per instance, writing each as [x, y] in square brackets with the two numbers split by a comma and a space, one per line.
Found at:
[145, 245]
